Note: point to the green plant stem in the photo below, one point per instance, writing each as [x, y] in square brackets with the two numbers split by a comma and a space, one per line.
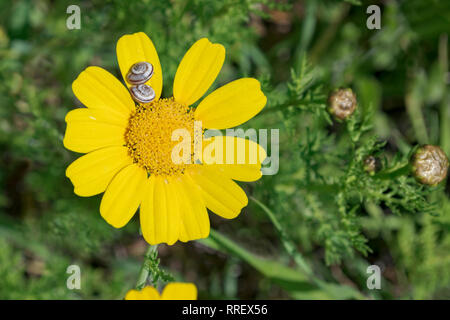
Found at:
[287, 243]
[287, 278]
[297, 256]
[329, 34]
[445, 124]
[414, 105]
[394, 173]
[444, 109]
[285, 105]
[144, 273]
[307, 32]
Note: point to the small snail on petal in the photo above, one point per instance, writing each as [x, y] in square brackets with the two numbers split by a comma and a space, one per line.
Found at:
[142, 93]
[139, 73]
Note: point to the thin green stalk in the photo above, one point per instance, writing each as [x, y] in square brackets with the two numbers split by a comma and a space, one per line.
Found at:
[445, 124]
[293, 280]
[287, 243]
[394, 173]
[307, 31]
[145, 271]
[298, 257]
[285, 105]
[445, 110]
[414, 104]
[328, 35]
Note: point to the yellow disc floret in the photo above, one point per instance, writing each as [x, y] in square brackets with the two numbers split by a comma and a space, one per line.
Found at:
[149, 135]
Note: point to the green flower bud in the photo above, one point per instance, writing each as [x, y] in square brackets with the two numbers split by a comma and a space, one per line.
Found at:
[430, 164]
[342, 103]
[371, 165]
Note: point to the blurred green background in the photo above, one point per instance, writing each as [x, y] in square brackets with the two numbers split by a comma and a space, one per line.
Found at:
[330, 214]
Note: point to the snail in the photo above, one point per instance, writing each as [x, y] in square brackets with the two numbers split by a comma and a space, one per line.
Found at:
[139, 73]
[142, 93]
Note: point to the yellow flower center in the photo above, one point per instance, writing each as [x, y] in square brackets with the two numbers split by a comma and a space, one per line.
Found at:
[149, 135]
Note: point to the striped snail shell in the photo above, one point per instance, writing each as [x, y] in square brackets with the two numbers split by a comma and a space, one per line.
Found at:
[139, 73]
[142, 93]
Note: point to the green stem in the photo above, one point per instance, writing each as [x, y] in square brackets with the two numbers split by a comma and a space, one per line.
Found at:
[297, 256]
[394, 172]
[287, 243]
[444, 110]
[414, 104]
[144, 273]
[285, 105]
[307, 32]
[329, 34]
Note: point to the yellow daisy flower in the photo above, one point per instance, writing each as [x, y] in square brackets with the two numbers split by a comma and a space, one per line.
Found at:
[172, 291]
[129, 145]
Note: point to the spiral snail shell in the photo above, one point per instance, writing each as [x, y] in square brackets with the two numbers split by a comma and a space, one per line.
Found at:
[142, 93]
[139, 73]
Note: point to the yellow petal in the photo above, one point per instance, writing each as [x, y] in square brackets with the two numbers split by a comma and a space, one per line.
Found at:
[96, 88]
[123, 195]
[193, 214]
[232, 104]
[240, 172]
[179, 291]
[159, 213]
[231, 150]
[197, 71]
[88, 130]
[220, 194]
[91, 173]
[147, 293]
[138, 47]
[99, 115]
[237, 158]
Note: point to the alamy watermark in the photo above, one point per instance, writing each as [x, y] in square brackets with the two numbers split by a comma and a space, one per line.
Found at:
[374, 280]
[74, 20]
[74, 280]
[374, 20]
[213, 147]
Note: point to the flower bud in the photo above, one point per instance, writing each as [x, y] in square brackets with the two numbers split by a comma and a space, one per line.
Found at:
[430, 165]
[371, 165]
[342, 103]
